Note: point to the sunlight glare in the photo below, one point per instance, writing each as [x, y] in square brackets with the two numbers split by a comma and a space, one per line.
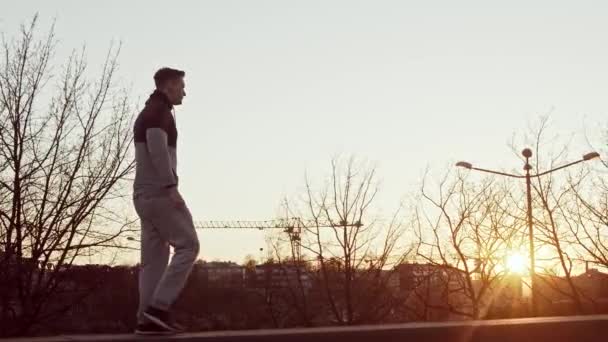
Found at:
[516, 263]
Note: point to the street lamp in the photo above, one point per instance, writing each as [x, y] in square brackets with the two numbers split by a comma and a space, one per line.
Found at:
[527, 153]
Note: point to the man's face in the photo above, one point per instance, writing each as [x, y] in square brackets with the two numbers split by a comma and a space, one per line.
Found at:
[176, 91]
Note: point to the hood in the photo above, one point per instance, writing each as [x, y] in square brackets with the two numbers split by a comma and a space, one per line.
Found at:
[160, 98]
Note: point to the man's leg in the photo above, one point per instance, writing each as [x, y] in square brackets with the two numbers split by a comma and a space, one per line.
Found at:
[177, 227]
[154, 260]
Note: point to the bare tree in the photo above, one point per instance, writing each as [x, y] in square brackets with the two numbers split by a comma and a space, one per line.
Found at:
[64, 156]
[465, 231]
[353, 252]
[587, 213]
[575, 230]
[557, 238]
[587, 217]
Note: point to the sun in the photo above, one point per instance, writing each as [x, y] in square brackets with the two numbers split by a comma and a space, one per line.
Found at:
[516, 263]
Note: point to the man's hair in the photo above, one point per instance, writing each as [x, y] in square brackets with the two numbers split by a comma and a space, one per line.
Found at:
[162, 76]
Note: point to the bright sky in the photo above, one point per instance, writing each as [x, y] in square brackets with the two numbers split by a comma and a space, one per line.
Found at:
[276, 88]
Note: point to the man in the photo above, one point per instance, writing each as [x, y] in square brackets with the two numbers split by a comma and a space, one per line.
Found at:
[165, 219]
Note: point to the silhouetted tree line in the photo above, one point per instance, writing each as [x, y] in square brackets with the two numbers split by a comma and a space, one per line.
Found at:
[104, 300]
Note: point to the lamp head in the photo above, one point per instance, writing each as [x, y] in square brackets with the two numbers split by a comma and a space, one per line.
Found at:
[464, 164]
[591, 155]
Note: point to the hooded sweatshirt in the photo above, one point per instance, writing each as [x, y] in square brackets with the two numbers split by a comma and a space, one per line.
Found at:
[155, 137]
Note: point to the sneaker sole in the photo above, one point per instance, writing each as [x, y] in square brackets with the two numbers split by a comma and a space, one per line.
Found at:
[153, 333]
[159, 322]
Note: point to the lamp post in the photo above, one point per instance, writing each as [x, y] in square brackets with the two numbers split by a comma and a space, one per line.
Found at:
[527, 153]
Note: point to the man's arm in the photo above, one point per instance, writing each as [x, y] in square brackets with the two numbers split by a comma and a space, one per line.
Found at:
[158, 150]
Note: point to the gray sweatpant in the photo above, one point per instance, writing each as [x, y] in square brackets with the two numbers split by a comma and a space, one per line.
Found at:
[163, 225]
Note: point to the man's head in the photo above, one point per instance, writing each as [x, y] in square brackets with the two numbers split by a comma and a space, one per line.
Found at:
[171, 83]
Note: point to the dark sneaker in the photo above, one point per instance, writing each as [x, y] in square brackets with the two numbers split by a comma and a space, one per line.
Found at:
[162, 319]
[177, 328]
[149, 329]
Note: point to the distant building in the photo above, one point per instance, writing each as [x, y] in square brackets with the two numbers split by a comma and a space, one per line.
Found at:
[413, 275]
[556, 293]
[219, 274]
[439, 292]
[593, 283]
[505, 295]
[278, 276]
[429, 289]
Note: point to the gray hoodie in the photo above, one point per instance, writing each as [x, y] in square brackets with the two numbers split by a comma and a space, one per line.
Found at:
[155, 136]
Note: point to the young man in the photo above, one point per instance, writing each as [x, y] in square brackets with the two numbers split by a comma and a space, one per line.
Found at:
[165, 219]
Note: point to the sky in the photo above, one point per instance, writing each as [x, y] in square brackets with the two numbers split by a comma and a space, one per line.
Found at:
[276, 89]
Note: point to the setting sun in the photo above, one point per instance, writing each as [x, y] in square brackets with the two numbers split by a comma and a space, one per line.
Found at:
[516, 263]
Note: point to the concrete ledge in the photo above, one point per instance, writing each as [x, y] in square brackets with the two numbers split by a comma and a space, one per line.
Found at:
[550, 329]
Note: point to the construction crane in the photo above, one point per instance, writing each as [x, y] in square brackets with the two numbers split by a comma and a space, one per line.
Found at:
[293, 226]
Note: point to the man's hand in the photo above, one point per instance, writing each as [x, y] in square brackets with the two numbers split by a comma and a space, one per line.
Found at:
[176, 198]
